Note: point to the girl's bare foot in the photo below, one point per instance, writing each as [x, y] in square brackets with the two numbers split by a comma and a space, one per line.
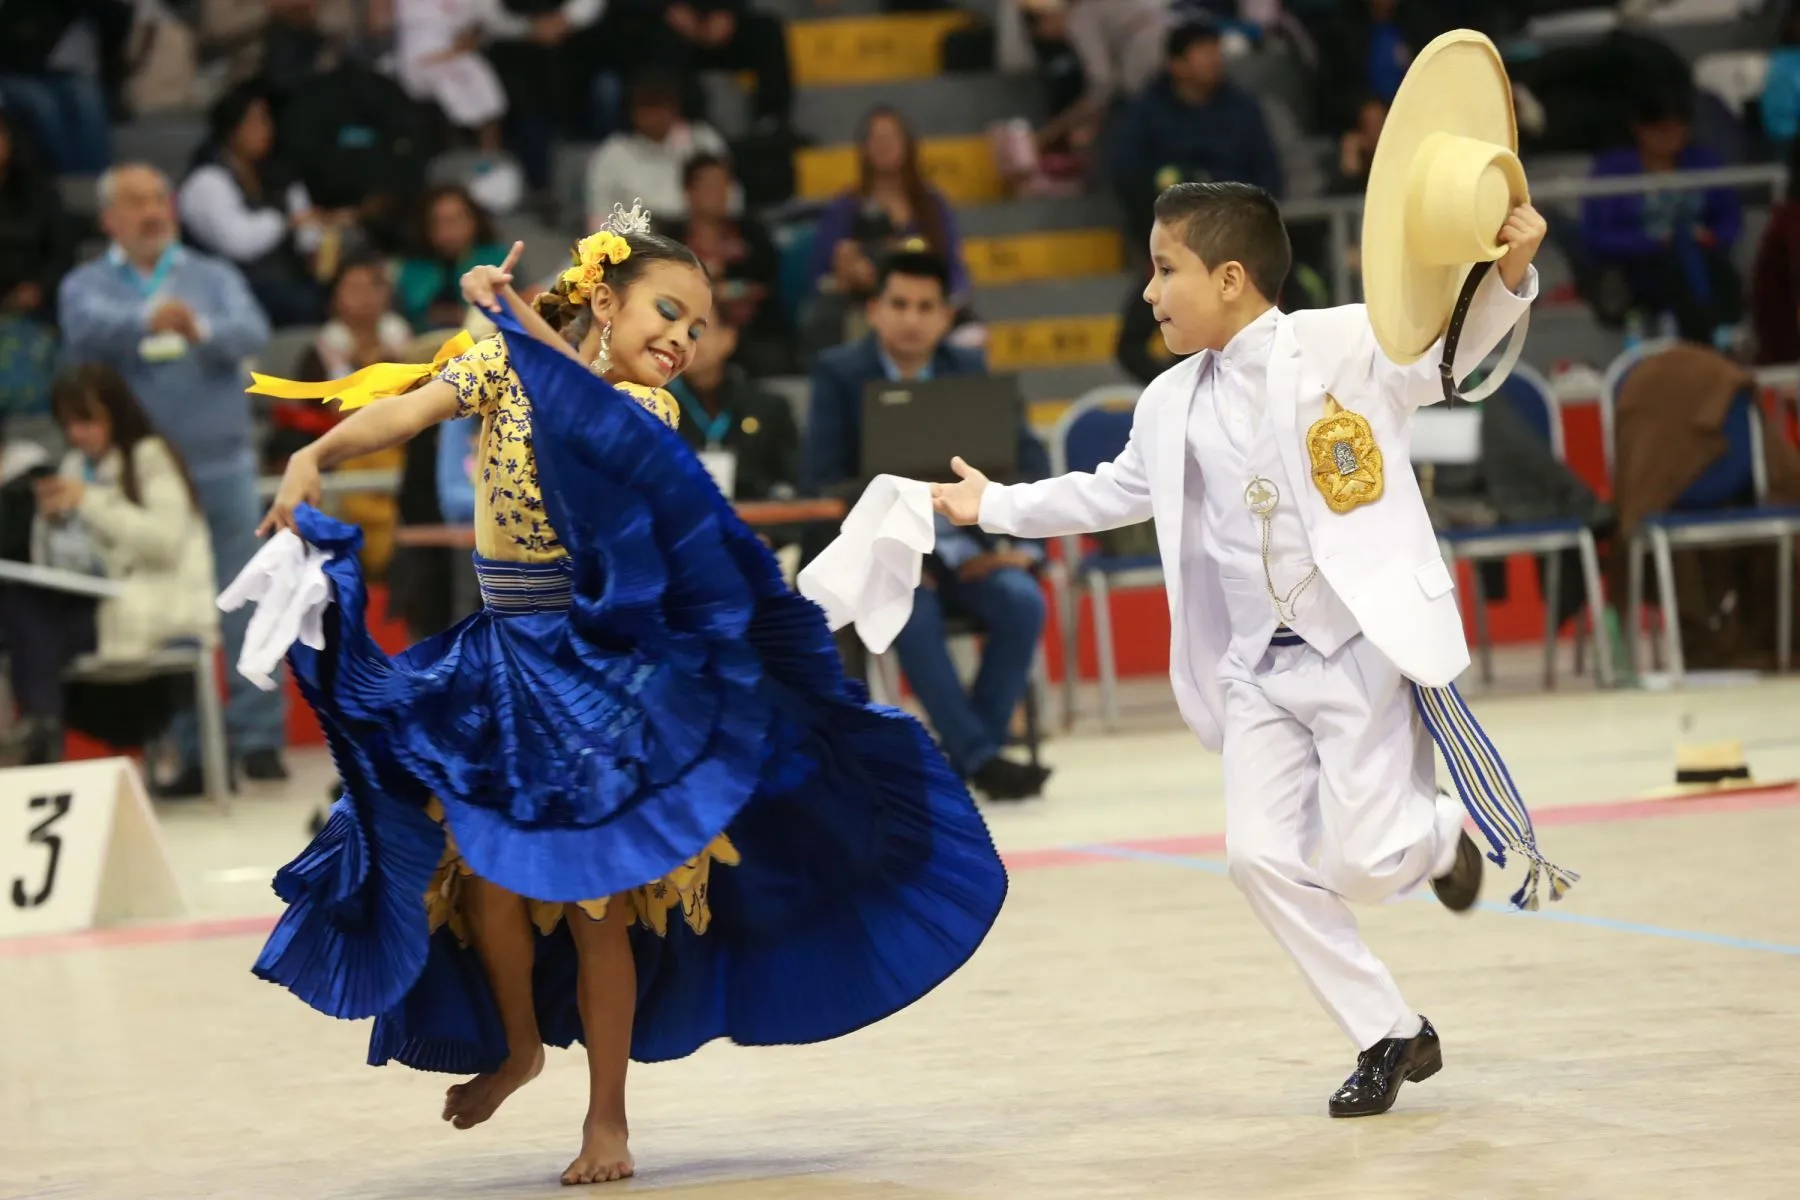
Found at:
[603, 1156]
[469, 1104]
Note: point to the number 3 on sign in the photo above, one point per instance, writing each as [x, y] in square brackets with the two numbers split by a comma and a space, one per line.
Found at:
[24, 895]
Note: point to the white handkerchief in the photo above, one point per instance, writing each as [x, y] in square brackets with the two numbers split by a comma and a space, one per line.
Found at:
[286, 581]
[868, 573]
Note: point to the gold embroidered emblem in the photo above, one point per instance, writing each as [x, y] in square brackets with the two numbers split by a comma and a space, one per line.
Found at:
[1346, 462]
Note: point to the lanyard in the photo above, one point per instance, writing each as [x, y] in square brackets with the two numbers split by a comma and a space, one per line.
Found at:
[153, 283]
[713, 429]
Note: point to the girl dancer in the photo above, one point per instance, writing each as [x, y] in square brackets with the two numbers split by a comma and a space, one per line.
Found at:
[633, 801]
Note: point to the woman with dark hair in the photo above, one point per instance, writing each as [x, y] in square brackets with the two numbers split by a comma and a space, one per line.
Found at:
[35, 252]
[453, 235]
[121, 507]
[890, 203]
[633, 801]
[241, 203]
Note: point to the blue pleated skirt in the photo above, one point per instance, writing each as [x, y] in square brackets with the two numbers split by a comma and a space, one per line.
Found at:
[601, 725]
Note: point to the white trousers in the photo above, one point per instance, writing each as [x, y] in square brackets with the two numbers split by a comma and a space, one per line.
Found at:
[1331, 796]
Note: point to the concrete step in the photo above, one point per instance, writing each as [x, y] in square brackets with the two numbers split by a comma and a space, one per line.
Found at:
[945, 105]
[1053, 254]
[1032, 215]
[1053, 298]
[869, 50]
[1071, 341]
[1058, 386]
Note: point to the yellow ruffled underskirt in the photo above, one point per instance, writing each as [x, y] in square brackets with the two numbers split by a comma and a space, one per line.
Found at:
[684, 888]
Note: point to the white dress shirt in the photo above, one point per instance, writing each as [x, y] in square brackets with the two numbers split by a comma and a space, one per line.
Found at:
[1231, 440]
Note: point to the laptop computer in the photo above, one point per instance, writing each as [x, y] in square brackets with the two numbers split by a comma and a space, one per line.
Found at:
[912, 428]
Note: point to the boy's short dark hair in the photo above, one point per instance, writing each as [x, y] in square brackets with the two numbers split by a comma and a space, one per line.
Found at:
[690, 170]
[1191, 32]
[913, 264]
[1231, 222]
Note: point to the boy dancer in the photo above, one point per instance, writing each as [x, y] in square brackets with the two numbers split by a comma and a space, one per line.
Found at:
[1299, 622]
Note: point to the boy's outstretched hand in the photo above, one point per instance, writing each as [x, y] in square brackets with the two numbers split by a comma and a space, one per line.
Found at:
[960, 501]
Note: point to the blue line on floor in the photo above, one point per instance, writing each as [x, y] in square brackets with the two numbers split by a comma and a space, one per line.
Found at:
[1213, 866]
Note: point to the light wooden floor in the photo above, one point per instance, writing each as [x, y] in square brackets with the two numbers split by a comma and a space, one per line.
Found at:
[1128, 1030]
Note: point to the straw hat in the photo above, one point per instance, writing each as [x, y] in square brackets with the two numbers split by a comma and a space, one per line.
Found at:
[1445, 176]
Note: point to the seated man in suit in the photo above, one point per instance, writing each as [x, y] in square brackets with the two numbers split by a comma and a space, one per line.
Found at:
[971, 573]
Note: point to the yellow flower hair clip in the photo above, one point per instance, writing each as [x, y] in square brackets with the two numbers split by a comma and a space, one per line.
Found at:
[593, 254]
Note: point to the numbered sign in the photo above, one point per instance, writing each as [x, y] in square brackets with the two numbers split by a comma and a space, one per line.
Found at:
[80, 847]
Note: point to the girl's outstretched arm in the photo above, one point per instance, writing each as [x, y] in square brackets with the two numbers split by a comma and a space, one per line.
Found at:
[488, 287]
[384, 423]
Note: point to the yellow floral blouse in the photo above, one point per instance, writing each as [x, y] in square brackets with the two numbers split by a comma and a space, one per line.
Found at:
[509, 507]
[510, 525]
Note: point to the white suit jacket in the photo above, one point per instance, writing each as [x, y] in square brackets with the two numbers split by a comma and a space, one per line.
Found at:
[1382, 558]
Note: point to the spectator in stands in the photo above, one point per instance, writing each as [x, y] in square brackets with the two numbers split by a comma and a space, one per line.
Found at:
[1190, 124]
[544, 52]
[240, 202]
[1665, 252]
[437, 46]
[1781, 88]
[729, 418]
[646, 161]
[34, 253]
[283, 42]
[123, 507]
[59, 62]
[363, 329]
[686, 37]
[971, 572]
[177, 325]
[890, 205]
[453, 234]
[1775, 278]
[739, 254]
[1370, 43]
[1119, 46]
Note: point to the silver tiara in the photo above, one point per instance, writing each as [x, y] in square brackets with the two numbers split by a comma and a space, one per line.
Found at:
[627, 222]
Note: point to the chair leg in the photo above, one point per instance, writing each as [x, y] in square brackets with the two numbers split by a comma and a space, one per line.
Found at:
[1596, 611]
[1784, 602]
[1551, 566]
[1634, 604]
[1484, 643]
[1671, 610]
[215, 767]
[1032, 711]
[1068, 606]
[1582, 631]
[1103, 645]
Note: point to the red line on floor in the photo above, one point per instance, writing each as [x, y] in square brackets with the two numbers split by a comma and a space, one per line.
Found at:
[1785, 795]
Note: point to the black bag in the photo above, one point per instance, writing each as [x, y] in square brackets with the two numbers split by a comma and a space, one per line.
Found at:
[18, 507]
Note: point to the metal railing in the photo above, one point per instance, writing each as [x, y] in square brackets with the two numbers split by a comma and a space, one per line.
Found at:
[1339, 211]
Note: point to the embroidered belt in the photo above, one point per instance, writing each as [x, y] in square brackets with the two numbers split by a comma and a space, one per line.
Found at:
[1483, 783]
[517, 588]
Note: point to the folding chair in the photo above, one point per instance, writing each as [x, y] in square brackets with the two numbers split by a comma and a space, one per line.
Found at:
[1531, 397]
[1093, 431]
[1708, 515]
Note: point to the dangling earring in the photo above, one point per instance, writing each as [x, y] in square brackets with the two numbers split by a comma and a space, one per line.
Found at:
[603, 361]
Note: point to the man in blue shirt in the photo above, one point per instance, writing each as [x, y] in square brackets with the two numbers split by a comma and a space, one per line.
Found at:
[178, 326]
[971, 572]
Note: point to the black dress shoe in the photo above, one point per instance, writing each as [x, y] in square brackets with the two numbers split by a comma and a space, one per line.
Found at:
[1461, 887]
[1382, 1068]
[264, 766]
[1003, 779]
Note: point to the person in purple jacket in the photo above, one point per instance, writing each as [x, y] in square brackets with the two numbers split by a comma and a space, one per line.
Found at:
[1665, 252]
